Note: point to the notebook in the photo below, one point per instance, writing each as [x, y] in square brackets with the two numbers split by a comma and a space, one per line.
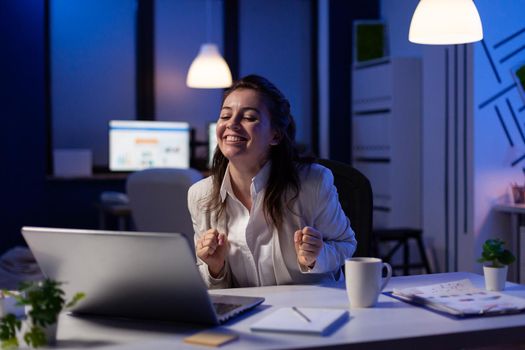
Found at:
[131, 274]
[301, 320]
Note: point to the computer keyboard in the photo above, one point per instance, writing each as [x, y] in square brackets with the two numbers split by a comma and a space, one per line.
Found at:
[223, 308]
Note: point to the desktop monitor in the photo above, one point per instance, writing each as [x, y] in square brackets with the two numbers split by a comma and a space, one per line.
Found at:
[136, 145]
[212, 142]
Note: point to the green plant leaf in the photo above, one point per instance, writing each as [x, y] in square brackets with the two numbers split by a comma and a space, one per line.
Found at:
[35, 337]
[76, 298]
[506, 258]
[46, 301]
[11, 343]
[9, 325]
[495, 253]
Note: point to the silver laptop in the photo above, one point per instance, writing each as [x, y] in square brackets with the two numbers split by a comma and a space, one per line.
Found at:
[131, 274]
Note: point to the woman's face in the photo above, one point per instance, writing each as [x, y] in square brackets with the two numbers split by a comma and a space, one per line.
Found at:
[244, 132]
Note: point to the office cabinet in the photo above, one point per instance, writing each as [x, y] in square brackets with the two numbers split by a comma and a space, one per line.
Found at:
[386, 134]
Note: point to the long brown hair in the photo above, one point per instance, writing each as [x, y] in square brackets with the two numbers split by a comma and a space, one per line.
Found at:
[283, 182]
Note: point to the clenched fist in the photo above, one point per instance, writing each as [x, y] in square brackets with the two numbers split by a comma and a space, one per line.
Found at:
[212, 248]
[308, 244]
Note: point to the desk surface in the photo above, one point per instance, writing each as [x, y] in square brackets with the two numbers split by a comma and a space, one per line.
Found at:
[391, 324]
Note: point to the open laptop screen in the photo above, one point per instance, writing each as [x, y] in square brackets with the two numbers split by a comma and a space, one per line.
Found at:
[136, 145]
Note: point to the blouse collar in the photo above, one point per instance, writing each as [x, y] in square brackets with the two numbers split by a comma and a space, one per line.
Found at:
[259, 181]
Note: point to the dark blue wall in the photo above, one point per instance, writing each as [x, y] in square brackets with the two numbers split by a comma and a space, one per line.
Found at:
[22, 102]
[28, 198]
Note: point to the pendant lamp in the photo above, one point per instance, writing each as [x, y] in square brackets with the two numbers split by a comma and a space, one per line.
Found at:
[209, 70]
[445, 22]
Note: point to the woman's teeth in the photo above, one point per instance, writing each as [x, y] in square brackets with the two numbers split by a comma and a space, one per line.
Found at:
[233, 138]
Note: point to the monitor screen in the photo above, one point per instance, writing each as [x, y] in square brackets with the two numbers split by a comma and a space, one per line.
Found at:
[212, 142]
[136, 145]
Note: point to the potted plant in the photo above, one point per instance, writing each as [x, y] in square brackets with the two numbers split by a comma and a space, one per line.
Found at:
[44, 301]
[496, 260]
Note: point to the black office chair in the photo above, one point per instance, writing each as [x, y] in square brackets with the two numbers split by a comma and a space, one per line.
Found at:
[355, 196]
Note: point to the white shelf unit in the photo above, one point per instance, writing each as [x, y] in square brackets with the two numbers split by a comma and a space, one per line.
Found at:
[386, 128]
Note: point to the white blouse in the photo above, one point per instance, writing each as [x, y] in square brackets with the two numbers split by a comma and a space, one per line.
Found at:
[259, 255]
[249, 236]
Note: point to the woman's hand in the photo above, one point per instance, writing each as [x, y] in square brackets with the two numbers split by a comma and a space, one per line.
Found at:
[212, 248]
[308, 245]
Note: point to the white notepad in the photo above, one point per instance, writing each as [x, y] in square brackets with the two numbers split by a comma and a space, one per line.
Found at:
[286, 320]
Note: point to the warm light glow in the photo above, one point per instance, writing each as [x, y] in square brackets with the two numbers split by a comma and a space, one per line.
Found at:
[445, 22]
[209, 70]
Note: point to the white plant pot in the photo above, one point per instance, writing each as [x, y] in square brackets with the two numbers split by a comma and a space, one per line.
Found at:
[51, 334]
[50, 331]
[495, 277]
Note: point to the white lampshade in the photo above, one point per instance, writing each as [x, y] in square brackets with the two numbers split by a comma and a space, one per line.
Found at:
[209, 70]
[445, 22]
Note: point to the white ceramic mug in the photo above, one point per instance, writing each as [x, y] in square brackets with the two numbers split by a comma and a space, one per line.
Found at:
[364, 280]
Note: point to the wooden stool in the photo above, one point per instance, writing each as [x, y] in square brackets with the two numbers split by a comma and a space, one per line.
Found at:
[402, 237]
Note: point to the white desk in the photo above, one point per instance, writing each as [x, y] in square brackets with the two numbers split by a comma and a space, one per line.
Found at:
[390, 325]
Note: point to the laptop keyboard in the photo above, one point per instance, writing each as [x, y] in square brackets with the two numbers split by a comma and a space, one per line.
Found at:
[223, 308]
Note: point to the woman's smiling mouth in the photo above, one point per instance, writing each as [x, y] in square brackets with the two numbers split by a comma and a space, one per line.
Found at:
[234, 138]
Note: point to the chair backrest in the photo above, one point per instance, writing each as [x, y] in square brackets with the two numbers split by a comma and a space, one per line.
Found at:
[355, 196]
[158, 199]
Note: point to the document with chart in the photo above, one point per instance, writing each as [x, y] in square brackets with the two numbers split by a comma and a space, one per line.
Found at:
[461, 298]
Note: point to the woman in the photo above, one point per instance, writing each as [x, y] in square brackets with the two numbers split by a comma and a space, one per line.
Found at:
[265, 216]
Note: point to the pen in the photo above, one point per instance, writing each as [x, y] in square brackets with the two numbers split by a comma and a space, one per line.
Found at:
[301, 314]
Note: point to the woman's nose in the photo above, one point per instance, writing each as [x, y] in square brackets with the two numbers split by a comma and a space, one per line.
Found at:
[233, 123]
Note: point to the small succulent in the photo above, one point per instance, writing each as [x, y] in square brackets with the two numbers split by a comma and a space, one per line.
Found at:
[495, 253]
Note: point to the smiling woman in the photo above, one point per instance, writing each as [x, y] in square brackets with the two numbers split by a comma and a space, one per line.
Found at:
[265, 216]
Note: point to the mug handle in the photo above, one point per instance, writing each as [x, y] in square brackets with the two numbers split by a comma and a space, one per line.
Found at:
[388, 274]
